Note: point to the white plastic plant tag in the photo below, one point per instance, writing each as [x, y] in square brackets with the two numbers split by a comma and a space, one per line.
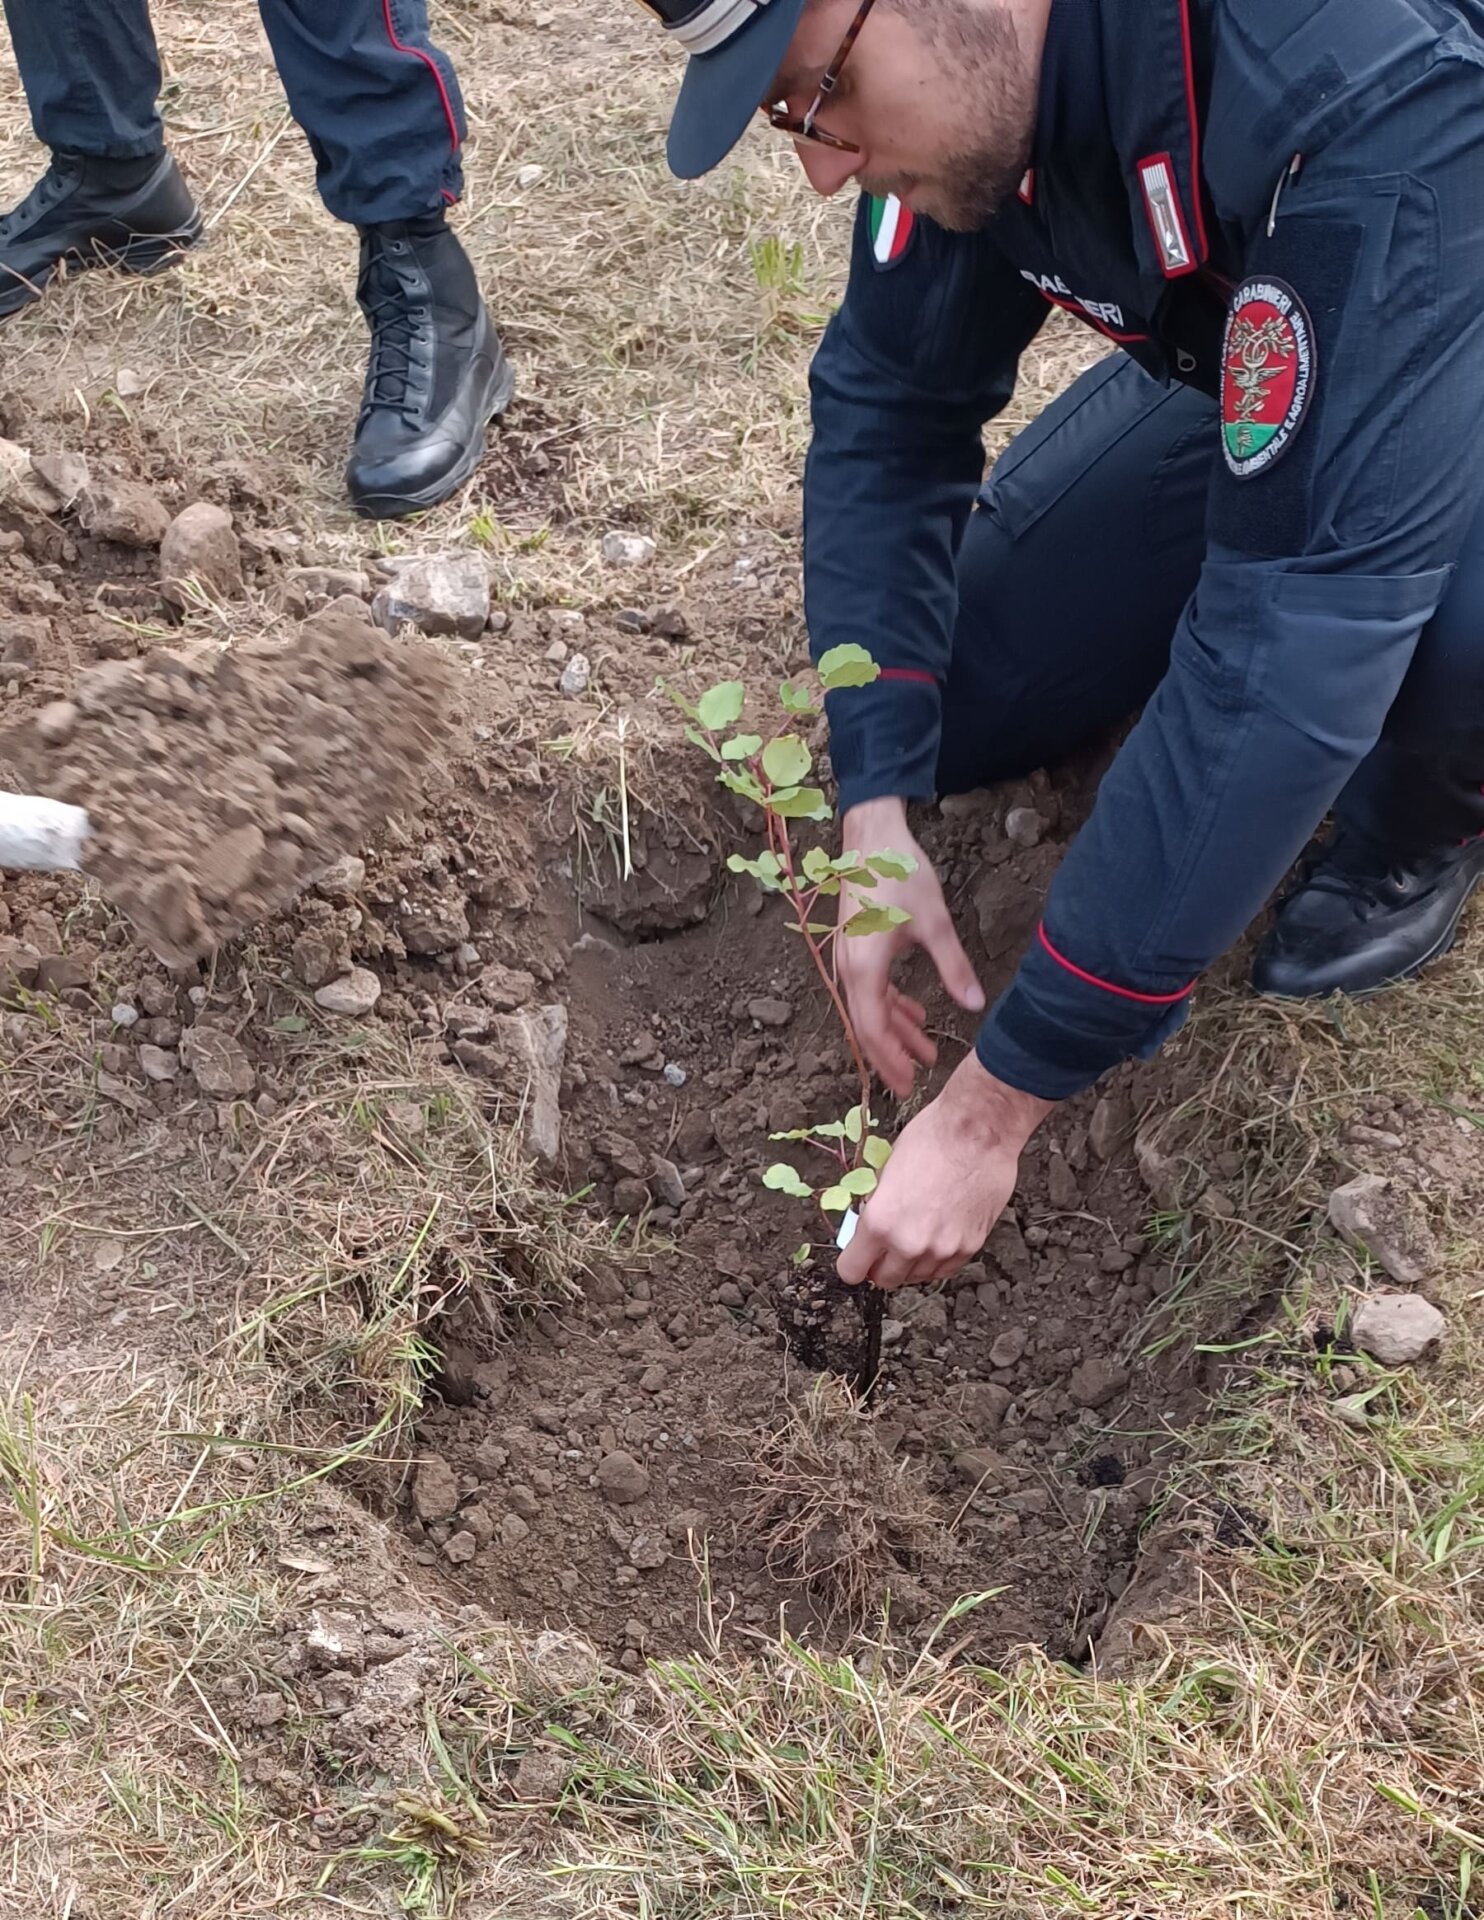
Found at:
[849, 1221]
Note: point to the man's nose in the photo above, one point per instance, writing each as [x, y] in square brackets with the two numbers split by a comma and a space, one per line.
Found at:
[827, 167]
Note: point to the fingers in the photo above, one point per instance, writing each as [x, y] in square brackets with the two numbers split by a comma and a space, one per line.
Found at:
[884, 1023]
[954, 969]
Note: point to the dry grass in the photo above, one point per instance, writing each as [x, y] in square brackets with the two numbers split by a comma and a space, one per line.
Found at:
[829, 1504]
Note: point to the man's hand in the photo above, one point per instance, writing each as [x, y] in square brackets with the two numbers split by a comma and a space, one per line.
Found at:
[946, 1183]
[890, 1026]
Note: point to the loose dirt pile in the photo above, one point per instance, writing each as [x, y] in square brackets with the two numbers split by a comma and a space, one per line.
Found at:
[220, 784]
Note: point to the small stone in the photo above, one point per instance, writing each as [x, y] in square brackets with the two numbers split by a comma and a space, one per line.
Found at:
[1108, 1122]
[893, 1332]
[536, 1040]
[730, 1294]
[653, 1379]
[621, 1479]
[529, 176]
[461, 1548]
[201, 550]
[158, 1063]
[1373, 1215]
[123, 1015]
[1024, 826]
[666, 1184]
[628, 549]
[1096, 1381]
[632, 620]
[1061, 1183]
[436, 925]
[354, 995]
[435, 1490]
[669, 623]
[647, 1551]
[770, 1012]
[56, 722]
[1397, 1328]
[438, 594]
[630, 1197]
[217, 1063]
[514, 1532]
[1009, 1348]
[557, 652]
[982, 1465]
[66, 473]
[673, 1076]
[576, 676]
[342, 878]
[123, 511]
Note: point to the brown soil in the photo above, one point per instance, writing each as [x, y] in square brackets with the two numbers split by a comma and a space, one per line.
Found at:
[584, 1466]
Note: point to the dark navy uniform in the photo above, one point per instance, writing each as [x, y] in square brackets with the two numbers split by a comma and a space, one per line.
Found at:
[1260, 519]
[378, 101]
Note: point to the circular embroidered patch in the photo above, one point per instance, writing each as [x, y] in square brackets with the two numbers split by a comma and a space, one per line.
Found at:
[1267, 375]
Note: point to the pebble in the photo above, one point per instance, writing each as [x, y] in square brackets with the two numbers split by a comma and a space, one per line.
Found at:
[1024, 826]
[356, 993]
[666, 1184]
[158, 1063]
[217, 1062]
[342, 877]
[435, 1491]
[1397, 1328]
[1009, 1348]
[621, 1479]
[201, 548]
[57, 722]
[669, 623]
[1369, 1215]
[576, 676]
[770, 1011]
[1095, 1382]
[529, 176]
[123, 1015]
[438, 594]
[628, 549]
[461, 1548]
[674, 1076]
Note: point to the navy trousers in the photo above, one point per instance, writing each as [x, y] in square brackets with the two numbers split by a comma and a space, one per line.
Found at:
[380, 103]
[1087, 543]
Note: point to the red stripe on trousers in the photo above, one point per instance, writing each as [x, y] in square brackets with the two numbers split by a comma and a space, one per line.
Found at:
[419, 53]
[1124, 993]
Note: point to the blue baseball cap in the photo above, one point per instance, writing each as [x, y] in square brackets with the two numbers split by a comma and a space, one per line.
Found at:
[735, 47]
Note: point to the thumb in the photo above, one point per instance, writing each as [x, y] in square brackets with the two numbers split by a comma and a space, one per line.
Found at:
[954, 968]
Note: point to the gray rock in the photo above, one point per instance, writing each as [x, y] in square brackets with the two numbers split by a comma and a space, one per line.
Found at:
[353, 995]
[57, 722]
[342, 878]
[123, 511]
[200, 546]
[1010, 1347]
[621, 1479]
[447, 593]
[1397, 1328]
[217, 1063]
[1109, 1120]
[536, 1039]
[666, 1184]
[1378, 1218]
[461, 1548]
[673, 1076]
[982, 1465]
[435, 1490]
[123, 1015]
[1025, 826]
[1096, 1382]
[158, 1063]
[770, 1011]
[576, 676]
[1061, 1183]
[628, 549]
[66, 474]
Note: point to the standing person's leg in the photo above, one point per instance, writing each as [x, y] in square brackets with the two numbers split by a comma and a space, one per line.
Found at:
[112, 195]
[1074, 571]
[1385, 893]
[381, 108]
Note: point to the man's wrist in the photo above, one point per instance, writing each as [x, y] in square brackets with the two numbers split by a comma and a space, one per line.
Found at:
[990, 1107]
[869, 826]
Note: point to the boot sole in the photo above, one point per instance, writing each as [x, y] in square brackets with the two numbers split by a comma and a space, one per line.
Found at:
[1442, 945]
[144, 256]
[388, 506]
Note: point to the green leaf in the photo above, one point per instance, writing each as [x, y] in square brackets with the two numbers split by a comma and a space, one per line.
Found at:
[742, 746]
[721, 706]
[892, 866]
[699, 739]
[786, 760]
[799, 803]
[782, 1178]
[291, 1023]
[836, 1199]
[876, 920]
[815, 926]
[818, 864]
[877, 1152]
[859, 1181]
[747, 784]
[797, 700]
[801, 1254]
[679, 699]
[847, 666]
[854, 1124]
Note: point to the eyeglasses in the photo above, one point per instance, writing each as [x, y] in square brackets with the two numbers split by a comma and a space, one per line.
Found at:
[803, 128]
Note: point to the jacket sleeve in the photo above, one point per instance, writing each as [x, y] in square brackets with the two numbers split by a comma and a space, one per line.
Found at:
[922, 352]
[1323, 566]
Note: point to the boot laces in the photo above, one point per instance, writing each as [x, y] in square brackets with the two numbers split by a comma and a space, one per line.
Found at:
[58, 180]
[1358, 871]
[396, 319]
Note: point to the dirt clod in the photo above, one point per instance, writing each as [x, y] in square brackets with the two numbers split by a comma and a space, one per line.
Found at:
[1397, 1328]
[435, 1491]
[621, 1479]
[353, 995]
[1377, 1217]
[200, 552]
[123, 511]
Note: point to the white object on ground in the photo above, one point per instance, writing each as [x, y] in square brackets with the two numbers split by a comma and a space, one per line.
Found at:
[44, 835]
[849, 1221]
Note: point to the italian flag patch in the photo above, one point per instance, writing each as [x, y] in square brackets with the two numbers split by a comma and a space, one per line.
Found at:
[892, 228]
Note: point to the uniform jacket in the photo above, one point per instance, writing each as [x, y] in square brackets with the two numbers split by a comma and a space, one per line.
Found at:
[1280, 202]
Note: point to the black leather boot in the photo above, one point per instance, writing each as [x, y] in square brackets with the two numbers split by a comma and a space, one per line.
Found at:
[137, 215]
[437, 373]
[1364, 916]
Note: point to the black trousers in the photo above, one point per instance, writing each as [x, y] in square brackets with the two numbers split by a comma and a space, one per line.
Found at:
[1076, 567]
[380, 103]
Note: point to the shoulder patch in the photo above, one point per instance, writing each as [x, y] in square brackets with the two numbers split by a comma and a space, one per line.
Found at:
[893, 229]
[1267, 375]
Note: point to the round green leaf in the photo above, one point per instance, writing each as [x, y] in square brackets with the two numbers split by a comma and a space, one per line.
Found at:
[835, 1199]
[876, 920]
[721, 706]
[877, 1152]
[891, 866]
[741, 747]
[847, 666]
[782, 1178]
[859, 1181]
[786, 760]
[800, 803]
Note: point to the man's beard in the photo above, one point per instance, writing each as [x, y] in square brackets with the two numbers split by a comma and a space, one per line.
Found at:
[990, 97]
